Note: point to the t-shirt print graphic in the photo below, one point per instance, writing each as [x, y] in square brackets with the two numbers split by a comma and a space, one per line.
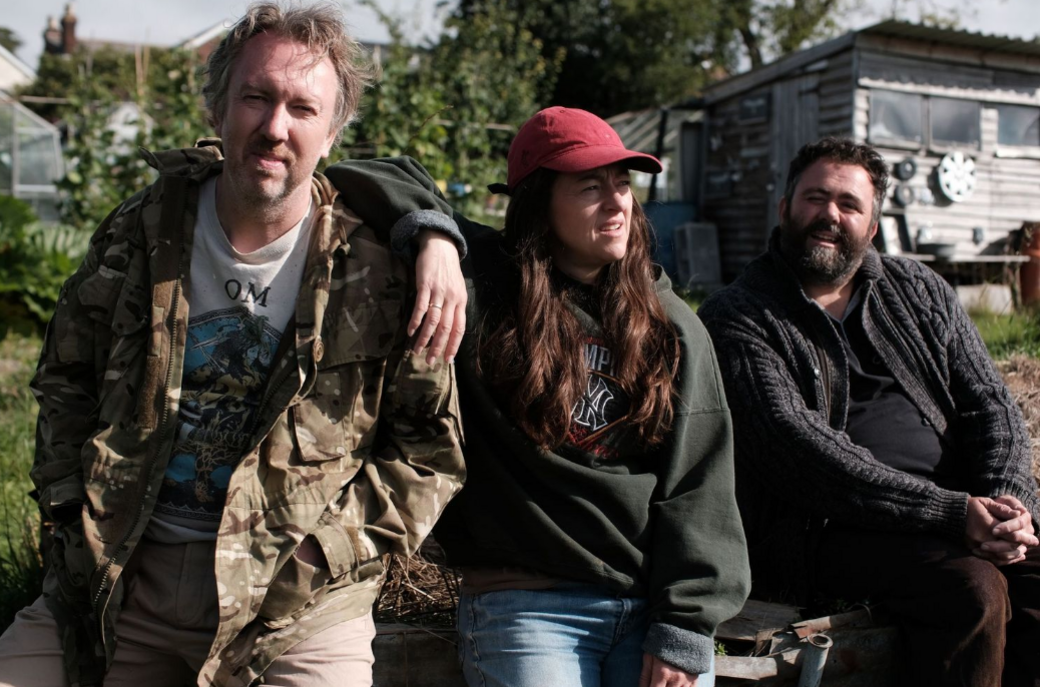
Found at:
[226, 364]
[603, 407]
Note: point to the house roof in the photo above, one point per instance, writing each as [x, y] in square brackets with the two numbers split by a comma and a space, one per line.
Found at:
[206, 35]
[989, 43]
[96, 44]
[639, 130]
[1003, 48]
[12, 59]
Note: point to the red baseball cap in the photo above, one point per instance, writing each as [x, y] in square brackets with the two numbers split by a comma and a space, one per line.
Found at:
[565, 139]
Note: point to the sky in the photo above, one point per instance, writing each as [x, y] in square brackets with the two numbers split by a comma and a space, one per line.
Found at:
[157, 22]
[166, 22]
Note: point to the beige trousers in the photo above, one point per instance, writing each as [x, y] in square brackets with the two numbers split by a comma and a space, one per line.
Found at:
[166, 628]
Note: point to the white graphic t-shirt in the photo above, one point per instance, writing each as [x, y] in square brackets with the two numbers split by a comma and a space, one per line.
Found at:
[240, 305]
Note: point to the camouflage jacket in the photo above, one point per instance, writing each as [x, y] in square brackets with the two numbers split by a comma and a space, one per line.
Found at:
[357, 442]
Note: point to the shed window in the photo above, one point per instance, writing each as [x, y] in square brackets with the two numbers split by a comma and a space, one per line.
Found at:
[895, 116]
[955, 122]
[1018, 125]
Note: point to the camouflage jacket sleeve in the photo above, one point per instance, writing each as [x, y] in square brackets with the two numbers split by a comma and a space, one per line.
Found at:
[68, 377]
[404, 485]
[411, 457]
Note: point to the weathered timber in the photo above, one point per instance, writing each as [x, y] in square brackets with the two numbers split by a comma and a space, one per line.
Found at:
[852, 620]
[757, 617]
[415, 657]
[829, 89]
[863, 651]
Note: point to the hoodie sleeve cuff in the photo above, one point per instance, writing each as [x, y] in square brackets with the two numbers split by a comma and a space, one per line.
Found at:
[406, 229]
[683, 649]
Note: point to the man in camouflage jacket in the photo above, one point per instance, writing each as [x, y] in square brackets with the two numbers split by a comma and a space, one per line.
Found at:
[354, 448]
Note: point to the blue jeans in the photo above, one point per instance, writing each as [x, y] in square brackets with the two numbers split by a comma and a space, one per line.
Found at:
[572, 635]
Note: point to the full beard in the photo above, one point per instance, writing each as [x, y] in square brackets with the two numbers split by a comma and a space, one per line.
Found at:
[821, 265]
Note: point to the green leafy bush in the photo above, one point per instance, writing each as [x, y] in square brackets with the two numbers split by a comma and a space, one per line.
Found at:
[35, 260]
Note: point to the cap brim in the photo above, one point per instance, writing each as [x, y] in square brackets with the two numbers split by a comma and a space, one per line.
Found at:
[591, 157]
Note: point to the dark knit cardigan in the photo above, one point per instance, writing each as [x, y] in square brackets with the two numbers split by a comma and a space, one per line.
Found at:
[787, 381]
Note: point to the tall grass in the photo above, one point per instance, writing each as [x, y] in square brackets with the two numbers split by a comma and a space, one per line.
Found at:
[1008, 335]
[20, 566]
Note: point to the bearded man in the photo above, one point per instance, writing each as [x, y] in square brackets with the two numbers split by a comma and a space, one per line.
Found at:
[879, 455]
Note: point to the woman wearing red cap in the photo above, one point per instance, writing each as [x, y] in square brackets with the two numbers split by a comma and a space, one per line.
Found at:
[598, 533]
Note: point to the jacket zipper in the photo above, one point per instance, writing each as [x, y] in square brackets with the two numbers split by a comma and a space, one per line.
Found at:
[160, 429]
[174, 200]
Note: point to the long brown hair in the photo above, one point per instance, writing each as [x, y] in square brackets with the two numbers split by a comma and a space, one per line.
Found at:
[530, 352]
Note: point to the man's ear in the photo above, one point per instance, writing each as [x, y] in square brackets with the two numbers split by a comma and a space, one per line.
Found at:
[781, 208]
[873, 230]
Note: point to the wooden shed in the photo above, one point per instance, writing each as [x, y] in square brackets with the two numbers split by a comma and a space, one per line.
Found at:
[957, 114]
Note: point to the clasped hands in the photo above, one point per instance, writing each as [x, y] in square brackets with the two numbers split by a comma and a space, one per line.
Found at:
[999, 529]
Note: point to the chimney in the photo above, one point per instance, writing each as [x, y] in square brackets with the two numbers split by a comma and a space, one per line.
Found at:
[68, 31]
[52, 37]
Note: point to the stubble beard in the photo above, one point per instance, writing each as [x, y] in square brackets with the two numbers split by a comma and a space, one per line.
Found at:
[821, 265]
[262, 198]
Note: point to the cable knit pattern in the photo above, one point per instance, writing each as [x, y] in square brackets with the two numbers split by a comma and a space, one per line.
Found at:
[787, 381]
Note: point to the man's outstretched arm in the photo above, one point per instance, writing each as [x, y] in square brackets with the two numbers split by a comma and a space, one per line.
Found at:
[397, 196]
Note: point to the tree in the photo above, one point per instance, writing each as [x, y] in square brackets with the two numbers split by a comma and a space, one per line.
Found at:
[104, 71]
[931, 12]
[9, 39]
[768, 30]
[456, 105]
[619, 55]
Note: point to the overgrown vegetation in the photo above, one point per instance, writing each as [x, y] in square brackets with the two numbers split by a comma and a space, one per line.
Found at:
[20, 565]
[35, 260]
[455, 106]
[115, 102]
[1010, 335]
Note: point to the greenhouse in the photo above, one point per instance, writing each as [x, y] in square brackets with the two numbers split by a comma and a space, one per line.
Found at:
[30, 158]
